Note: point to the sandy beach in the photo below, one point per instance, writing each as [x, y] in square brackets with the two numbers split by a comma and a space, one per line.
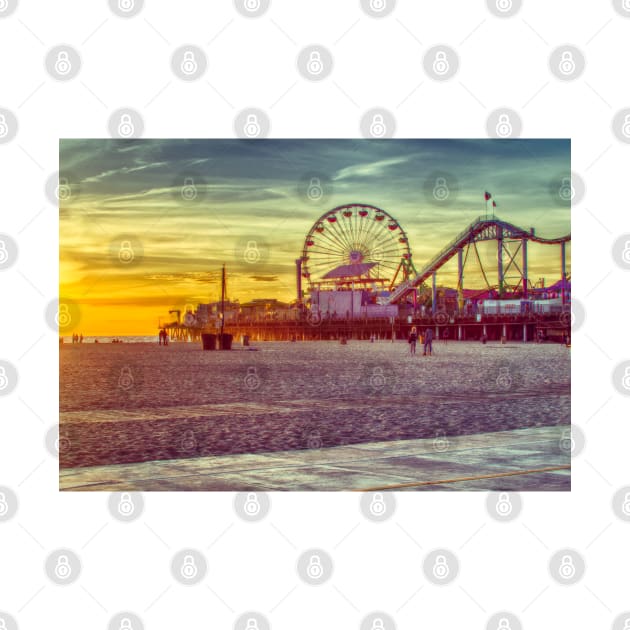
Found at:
[135, 402]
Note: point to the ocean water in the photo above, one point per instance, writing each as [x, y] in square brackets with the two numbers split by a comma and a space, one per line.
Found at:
[125, 339]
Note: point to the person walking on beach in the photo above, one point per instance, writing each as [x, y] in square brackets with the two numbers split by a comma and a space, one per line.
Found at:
[428, 341]
[445, 336]
[413, 338]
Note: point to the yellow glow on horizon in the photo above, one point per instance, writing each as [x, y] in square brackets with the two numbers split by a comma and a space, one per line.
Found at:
[113, 303]
[128, 195]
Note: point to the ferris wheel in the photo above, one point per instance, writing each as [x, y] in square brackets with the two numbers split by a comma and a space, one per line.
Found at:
[356, 240]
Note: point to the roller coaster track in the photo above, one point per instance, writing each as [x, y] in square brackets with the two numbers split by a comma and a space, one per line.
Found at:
[481, 229]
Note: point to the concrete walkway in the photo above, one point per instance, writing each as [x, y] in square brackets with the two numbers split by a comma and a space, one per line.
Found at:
[516, 460]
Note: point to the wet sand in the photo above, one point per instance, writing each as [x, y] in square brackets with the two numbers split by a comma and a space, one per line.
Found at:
[122, 403]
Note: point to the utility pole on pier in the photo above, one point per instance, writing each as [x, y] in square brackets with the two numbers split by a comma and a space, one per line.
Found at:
[222, 299]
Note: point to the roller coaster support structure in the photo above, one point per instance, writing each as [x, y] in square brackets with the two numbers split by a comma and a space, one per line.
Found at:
[512, 279]
[524, 263]
[501, 278]
[563, 254]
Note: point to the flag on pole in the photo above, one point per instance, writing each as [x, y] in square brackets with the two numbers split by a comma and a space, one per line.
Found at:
[487, 195]
[494, 203]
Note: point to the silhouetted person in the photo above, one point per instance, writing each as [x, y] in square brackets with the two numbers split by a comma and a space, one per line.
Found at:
[413, 339]
[428, 341]
[445, 336]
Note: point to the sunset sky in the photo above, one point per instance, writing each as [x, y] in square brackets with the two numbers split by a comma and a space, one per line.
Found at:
[145, 225]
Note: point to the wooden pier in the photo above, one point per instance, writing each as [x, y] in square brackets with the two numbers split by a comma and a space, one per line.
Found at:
[526, 328]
